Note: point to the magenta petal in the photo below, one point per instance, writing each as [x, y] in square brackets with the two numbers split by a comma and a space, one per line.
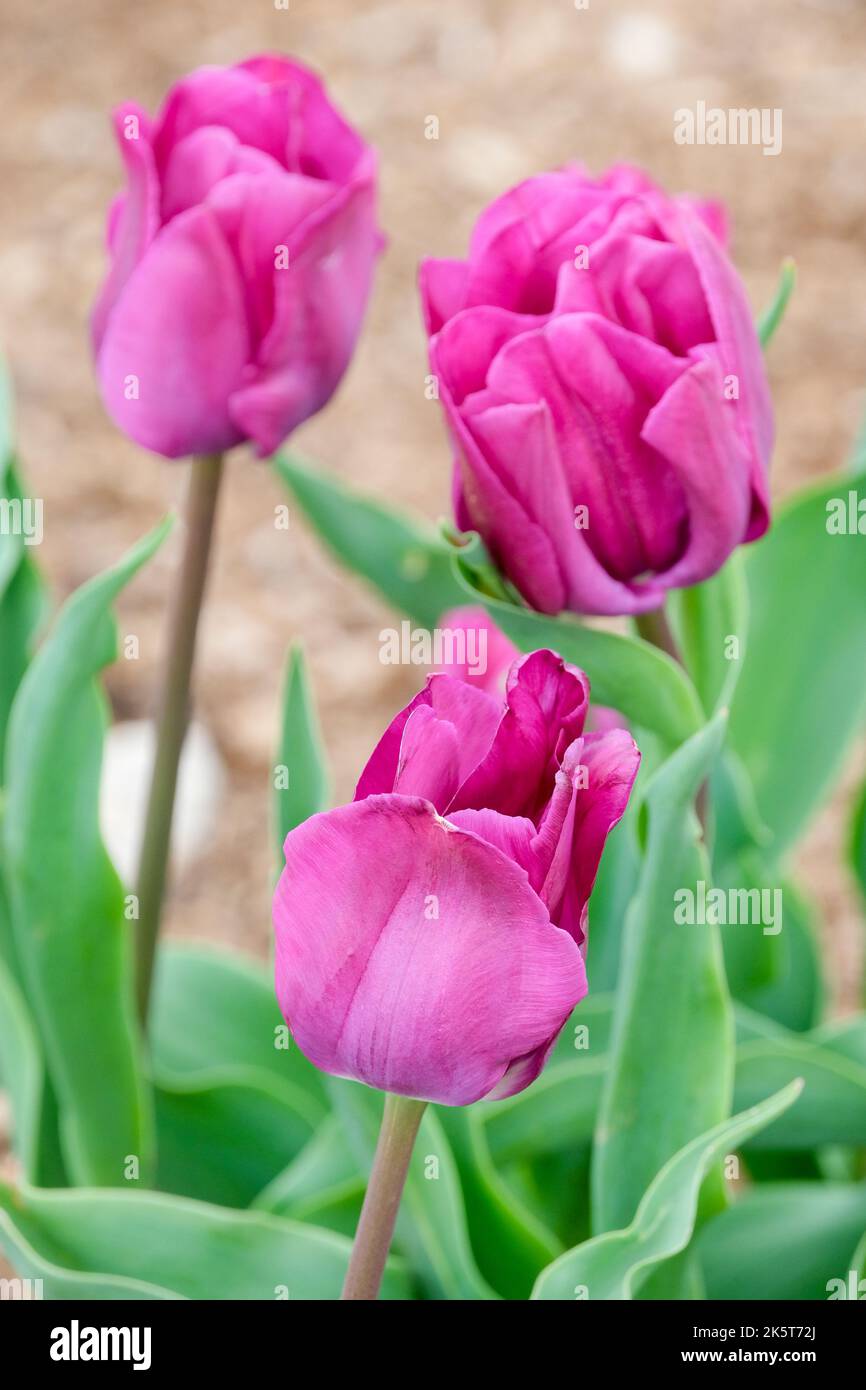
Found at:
[176, 342]
[741, 355]
[546, 704]
[472, 712]
[319, 305]
[134, 217]
[591, 795]
[201, 160]
[429, 759]
[694, 429]
[413, 956]
[442, 286]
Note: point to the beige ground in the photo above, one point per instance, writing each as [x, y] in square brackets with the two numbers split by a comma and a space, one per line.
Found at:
[517, 87]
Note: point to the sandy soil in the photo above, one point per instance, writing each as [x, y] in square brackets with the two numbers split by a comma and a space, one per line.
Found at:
[517, 88]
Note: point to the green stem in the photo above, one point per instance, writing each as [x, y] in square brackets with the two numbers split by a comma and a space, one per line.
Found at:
[174, 704]
[654, 628]
[400, 1123]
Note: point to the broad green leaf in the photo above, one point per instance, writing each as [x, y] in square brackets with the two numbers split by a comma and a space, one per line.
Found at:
[101, 1243]
[614, 889]
[557, 1112]
[22, 1071]
[807, 595]
[224, 1141]
[772, 317]
[22, 603]
[405, 559]
[323, 1175]
[672, 1052]
[642, 682]
[215, 1019]
[588, 1031]
[754, 956]
[431, 1225]
[301, 755]
[711, 623]
[509, 1243]
[846, 1037]
[610, 1266]
[783, 1241]
[832, 1107]
[793, 992]
[68, 906]
[857, 845]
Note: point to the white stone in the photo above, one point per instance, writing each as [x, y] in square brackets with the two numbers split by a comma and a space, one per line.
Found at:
[126, 769]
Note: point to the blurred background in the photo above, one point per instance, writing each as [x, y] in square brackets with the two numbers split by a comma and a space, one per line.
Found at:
[517, 88]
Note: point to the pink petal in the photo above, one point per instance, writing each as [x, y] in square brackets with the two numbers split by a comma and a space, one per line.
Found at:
[179, 330]
[546, 704]
[374, 987]
[319, 305]
[134, 217]
[473, 714]
[740, 355]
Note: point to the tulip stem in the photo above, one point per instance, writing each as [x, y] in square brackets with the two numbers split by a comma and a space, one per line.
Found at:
[654, 628]
[173, 715]
[400, 1123]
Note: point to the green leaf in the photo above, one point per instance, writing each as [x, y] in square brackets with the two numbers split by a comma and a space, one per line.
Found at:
[610, 1266]
[22, 604]
[22, 1069]
[643, 683]
[224, 1141]
[406, 560]
[67, 902]
[857, 842]
[672, 1052]
[711, 622]
[792, 992]
[557, 1112]
[783, 1241]
[322, 1184]
[807, 593]
[614, 889]
[772, 317]
[431, 1225]
[215, 1020]
[832, 1108]
[301, 753]
[509, 1243]
[98, 1244]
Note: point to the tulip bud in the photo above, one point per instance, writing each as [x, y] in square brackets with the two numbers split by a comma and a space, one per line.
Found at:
[604, 389]
[242, 256]
[429, 935]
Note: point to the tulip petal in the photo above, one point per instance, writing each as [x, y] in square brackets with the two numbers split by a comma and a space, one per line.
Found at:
[319, 305]
[545, 710]
[376, 986]
[741, 356]
[591, 795]
[134, 217]
[471, 712]
[442, 286]
[176, 342]
[694, 429]
[198, 163]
